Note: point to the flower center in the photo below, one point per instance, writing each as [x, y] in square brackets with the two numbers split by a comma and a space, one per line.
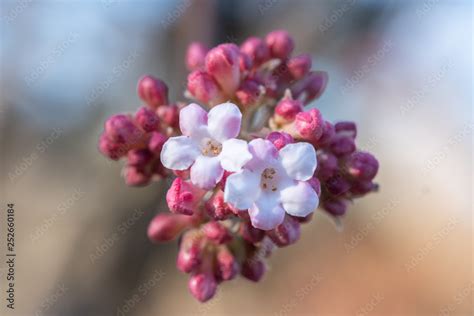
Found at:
[268, 181]
[211, 148]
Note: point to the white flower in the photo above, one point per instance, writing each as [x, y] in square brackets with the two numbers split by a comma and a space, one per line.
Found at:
[208, 144]
[274, 182]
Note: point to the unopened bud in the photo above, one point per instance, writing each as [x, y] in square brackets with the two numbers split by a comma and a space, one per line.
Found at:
[152, 91]
[195, 56]
[222, 63]
[280, 43]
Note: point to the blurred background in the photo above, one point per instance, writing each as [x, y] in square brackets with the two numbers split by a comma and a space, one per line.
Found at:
[401, 69]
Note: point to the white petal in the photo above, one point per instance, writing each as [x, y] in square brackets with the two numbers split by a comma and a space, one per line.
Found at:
[241, 189]
[298, 160]
[193, 121]
[264, 154]
[224, 121]
[179, 153]
[266, 213]
[206, 172]
[299, 199]
[235, 154]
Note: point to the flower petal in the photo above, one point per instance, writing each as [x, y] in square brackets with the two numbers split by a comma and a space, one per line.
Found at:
[235, 154]
[298, 160]
[224, 121]
[241, 189]
[179, 153]
[264, 154]
[299, 199]
[266, 213]
[206, 172]
[193, 121]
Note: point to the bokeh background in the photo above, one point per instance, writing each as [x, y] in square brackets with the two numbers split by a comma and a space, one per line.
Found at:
[401, 69]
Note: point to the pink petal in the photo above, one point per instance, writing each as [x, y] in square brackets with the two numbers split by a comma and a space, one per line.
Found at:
[241, 189]
[179, 153]
[266, 213]
[224, 121]
[299, 199]
[235, 154]
[264, 154]
[193, 121]
[206, 172]
[298, 160]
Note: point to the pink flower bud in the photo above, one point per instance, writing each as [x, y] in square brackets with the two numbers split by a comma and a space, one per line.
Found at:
[245, 63]
[287, 109]
[166, 227]
[222, 62]
[152, 91]
[169, 115]
[111, 149]
[139, 157]
[121, 129]
[286, 233]
[203, 87]
[336, 207]
[217, 208]
[183, 174]
[182, 197]
[362, 165]
[195, 56]
[156, 142]
[227, 266]
[346, 128]
[256, 49]
[253, 269]
[250, 233]
[361, 187]
[328, 135]
[337, 185]
[136, 176]
[190, 252]
[313, 85]
[342, 145]
[147, 119]
[280, 139]
[299, 66]
[248, 92]
[203, 286]
[309, 124]
[327, 165]
[216, 232]
[280, 43]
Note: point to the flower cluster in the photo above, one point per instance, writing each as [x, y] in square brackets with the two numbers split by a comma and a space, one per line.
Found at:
[251, 164]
